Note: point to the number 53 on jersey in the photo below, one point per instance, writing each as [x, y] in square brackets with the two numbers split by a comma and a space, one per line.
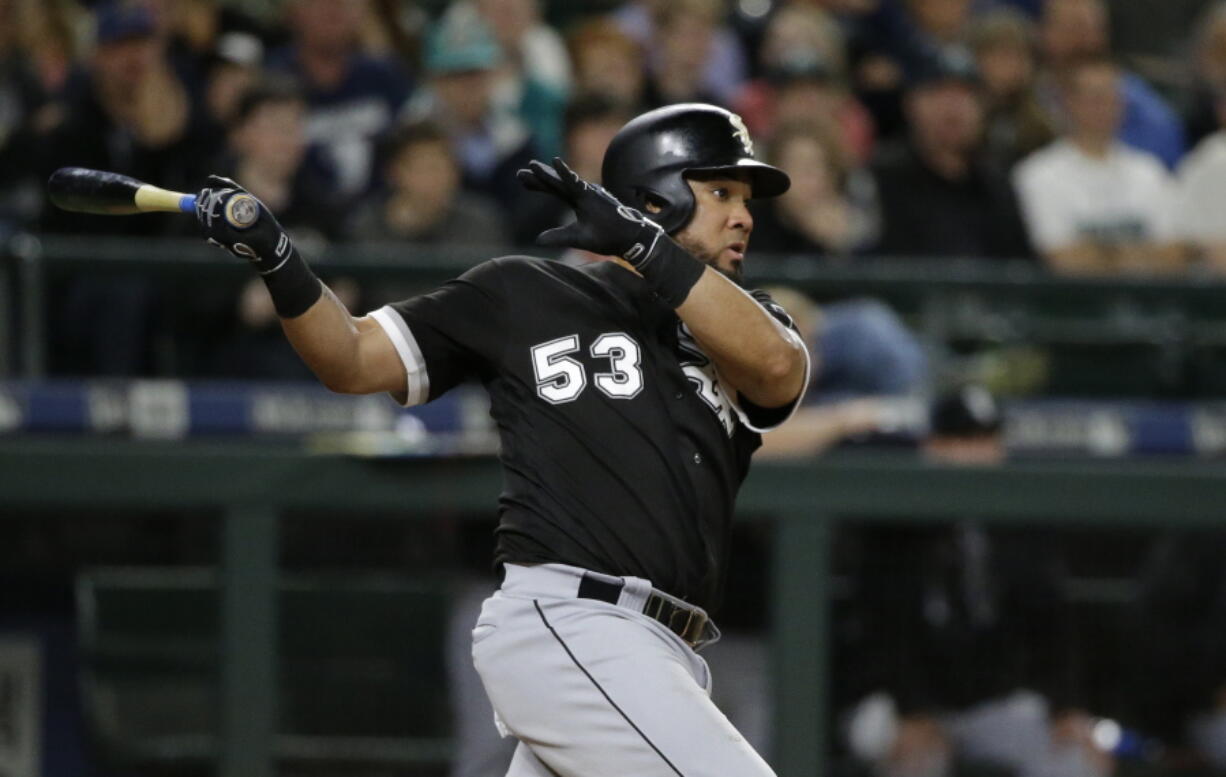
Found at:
[560, 378]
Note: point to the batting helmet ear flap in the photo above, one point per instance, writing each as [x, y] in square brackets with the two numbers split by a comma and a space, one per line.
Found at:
[671, 207]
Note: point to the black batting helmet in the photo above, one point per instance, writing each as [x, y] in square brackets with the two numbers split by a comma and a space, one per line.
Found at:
[648, 159]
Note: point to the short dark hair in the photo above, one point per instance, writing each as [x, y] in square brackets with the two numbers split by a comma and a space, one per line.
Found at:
[266, 91]
[412, 133]
[593, 107]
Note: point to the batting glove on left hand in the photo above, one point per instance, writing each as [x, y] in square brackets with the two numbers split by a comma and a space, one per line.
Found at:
[603, 224]
[225, 204]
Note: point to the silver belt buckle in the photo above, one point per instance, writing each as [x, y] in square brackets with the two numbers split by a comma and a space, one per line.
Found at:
[689, 623]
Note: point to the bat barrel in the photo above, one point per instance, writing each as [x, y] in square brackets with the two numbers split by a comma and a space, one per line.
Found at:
[83, 190]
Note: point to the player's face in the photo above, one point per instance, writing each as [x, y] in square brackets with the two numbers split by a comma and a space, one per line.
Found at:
[718, 234]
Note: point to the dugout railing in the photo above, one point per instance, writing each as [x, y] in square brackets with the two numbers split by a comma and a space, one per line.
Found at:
[1147, 335]
[249, 486]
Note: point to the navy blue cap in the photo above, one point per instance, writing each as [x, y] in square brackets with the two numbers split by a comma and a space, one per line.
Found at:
[118, 21]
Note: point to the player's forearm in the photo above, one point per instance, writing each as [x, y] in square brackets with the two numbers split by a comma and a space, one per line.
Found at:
[326, 336]
[752, 350]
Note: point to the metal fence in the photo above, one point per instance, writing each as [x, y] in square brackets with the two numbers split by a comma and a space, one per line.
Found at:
[957, 302]
[247, 487]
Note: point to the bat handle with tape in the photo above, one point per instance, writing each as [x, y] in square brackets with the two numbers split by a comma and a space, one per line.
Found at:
[241, 210]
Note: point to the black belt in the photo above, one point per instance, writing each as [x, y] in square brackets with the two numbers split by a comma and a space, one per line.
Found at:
[690, 623]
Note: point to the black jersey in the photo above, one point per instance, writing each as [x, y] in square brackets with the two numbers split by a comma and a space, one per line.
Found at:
[622, 448]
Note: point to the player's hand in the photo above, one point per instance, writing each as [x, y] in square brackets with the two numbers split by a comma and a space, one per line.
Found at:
[603, 225]
[263, 243]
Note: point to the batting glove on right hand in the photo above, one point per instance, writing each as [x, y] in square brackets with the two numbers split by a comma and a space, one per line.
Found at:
[223, 207]
[603, 225]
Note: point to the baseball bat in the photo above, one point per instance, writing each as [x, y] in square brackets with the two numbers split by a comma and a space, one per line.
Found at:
[82, 190]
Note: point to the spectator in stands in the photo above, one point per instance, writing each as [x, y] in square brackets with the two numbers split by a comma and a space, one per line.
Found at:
[804, 66]
[1093, 204]
[867, 367]
[131, 114]
[233, 68]
[958, 646]
[352, 97]
[939, 196]
[591, 122]
[897, 38]
[607, 62]
[682, 41]
[248, 342]
[226, 332]
[1074, 30]
[830, 209]
[423, 201]
[37, 53]
[1200, 192]
[267, 153]
[534, 77]
[725, 65]
[1153, 38]
[462, 57]
[941, 24]
[194, 29]
[1176, 636]
[1004, 43]
[48, 35]
[1208, 73]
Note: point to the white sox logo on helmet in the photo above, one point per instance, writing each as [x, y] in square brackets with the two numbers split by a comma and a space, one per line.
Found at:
[741, 132]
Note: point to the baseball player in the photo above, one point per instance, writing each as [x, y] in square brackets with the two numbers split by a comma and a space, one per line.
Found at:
[629, 395]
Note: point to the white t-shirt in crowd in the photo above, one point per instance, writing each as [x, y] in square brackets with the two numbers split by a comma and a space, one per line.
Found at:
[1067, 196]
[1202, 191]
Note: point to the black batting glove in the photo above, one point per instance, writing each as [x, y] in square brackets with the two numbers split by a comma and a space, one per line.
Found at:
[223, 204]
[603, 224]
[230, 217]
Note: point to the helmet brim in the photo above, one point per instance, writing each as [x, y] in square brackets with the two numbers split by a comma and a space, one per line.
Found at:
[764, 180]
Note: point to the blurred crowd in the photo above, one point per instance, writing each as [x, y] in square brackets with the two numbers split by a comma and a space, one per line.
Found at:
[1078, 134]
[919, 128]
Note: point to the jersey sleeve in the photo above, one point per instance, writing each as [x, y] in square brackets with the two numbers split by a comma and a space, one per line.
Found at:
[764, 419]
[449, 334]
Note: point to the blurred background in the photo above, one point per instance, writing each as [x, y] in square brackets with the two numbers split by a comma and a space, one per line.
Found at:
[990, 543]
